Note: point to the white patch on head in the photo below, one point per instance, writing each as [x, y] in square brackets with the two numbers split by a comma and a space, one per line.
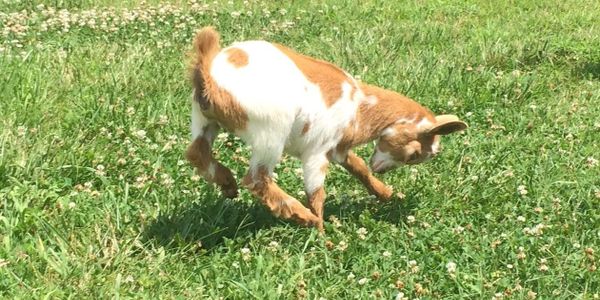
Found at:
[404, 121]
[370, 100]
[390, 131]
[424, 124]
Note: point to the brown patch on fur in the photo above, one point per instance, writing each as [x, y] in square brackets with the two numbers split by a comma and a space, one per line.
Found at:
[395, 144]
[327, 76]
[278, 201]
[237, 57]
[357, 167]
[224, 178]
[199, 155]
[305, 128]
[216, 103]
[226, 111]
[315, 203]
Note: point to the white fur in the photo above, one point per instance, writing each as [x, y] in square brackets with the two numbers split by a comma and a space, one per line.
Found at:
[314, 177]
[405, 121]
[435, 147]
[424, 124]
[371, 100]
[382, 160]
[390, 131]
[279, 100]
[212, 170]
[199, 121]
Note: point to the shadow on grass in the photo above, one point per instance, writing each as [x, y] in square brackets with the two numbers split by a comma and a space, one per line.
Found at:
[209, 220]
[213, 219]
[588, 70]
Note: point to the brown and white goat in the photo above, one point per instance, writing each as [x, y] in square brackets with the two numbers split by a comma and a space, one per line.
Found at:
[278, 100]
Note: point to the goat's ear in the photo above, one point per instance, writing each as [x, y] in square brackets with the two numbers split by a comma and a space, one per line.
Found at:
[447, 124]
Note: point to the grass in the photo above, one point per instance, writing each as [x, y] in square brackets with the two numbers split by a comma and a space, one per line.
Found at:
[96, 200]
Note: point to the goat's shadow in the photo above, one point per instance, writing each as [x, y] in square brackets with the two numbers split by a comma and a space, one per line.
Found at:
[213, 219]
[588, 70]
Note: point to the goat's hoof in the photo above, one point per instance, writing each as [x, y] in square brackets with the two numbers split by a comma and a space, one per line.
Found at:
[308, 219]
[385, 193]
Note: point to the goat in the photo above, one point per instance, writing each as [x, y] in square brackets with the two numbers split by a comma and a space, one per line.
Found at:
[277, 100]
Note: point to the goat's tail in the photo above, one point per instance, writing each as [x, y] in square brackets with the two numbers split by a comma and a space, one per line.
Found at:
[206, 47]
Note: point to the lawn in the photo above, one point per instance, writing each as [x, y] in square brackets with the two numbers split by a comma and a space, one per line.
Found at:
[97, 201]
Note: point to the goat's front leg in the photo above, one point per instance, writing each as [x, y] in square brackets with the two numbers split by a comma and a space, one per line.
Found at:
[357, 167]
[199, 154]
[314, 170]
[259, 181]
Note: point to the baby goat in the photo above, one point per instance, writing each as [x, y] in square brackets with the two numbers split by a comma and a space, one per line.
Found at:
[278, 100]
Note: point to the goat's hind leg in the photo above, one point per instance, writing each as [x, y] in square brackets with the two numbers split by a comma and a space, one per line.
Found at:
[259, 181]
[199, 154]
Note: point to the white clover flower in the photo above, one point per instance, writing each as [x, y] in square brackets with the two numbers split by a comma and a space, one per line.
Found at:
[522, 190]
[245, 254]
[458, 229]
[362, 232]
[273, 246]
[451, 267]
[141, 134]
[21, 130]
[100, 170]
[591, 162]
[162, 120]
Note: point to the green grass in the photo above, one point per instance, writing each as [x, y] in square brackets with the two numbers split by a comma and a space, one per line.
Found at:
[514, 202]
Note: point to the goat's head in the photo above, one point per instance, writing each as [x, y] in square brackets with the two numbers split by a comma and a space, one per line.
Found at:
[409, 144]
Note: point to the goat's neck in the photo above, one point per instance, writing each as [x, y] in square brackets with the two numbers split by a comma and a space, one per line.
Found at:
[381, 109]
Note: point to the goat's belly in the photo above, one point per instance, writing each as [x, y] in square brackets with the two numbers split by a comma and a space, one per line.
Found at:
[309, 140]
